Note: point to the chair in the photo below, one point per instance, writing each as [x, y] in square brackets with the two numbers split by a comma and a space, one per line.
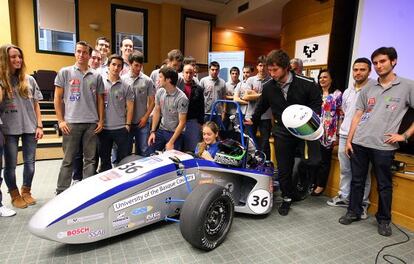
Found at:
[46, 81]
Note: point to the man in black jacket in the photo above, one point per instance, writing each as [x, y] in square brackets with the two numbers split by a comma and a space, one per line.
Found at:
[284, 89]
[195, 114]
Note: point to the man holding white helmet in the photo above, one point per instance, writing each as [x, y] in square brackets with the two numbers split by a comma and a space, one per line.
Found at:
[284, 89]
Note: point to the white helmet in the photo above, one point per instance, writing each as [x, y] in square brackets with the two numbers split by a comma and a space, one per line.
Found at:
[302, 122]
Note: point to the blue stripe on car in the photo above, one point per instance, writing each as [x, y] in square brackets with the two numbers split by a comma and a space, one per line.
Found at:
[122, 187]
[188, 164]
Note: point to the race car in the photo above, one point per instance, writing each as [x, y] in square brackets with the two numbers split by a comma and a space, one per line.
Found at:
[201, 195]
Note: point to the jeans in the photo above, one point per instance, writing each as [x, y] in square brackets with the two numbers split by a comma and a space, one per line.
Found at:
[80, 133]
[322, 171]
[346, 173]
[140, 136]
[381, 161]
[264, 126]
[1, 164]
[161, 138]
[106, 140]
[192, 135]
[29, 144]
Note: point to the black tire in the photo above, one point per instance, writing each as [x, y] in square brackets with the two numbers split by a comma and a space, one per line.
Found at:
[206, 216]
[128, 159]
[301, 181]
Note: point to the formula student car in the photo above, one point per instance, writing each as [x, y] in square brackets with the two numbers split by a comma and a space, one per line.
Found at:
[202, 195]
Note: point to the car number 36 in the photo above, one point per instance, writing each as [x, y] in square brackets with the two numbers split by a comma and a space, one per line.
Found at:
[259, 201]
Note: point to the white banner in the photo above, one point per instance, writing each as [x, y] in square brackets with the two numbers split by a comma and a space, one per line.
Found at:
[313, 51]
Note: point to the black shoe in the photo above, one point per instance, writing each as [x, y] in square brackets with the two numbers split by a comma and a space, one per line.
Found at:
[284, 207]
[349, 218]
[384, 229]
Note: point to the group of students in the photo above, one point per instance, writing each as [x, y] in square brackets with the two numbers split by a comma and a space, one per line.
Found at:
[102, 109]
[366, 119]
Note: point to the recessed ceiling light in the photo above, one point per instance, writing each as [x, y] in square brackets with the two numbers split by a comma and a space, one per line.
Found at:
[240, 27]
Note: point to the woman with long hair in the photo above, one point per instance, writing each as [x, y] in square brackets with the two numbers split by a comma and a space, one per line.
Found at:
[208, 148]
[21, 119]
[330, 115]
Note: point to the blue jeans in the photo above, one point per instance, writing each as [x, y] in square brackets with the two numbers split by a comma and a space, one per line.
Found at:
[381, 161]
[140, 137]
[192, 135]
[1, 164]
[29, 144]
[106, 140]
[346, 173]
[161, 138]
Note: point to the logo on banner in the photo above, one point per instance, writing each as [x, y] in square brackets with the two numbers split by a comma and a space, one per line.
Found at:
[308, 51]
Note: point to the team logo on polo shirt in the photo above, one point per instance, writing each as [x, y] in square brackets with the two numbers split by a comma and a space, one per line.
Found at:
[371, 101]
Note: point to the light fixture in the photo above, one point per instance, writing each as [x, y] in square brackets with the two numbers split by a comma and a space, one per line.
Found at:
[240, 28]
[94, 26]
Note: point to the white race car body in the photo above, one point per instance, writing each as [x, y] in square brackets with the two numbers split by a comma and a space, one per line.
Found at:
[143, 192]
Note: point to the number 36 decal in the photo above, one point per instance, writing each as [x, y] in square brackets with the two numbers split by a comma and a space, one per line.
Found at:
[259, 201]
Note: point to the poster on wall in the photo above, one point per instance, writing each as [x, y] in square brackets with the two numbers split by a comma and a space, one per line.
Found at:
[313, 51]
[227, 59]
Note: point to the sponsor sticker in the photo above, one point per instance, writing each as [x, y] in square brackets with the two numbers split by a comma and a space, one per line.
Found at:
[96, 233]
[84, 219]
[135, 224]
[110, 176]
[73, 232]
[120, 221]
[150, 193]
[153, 217]
[141, 210]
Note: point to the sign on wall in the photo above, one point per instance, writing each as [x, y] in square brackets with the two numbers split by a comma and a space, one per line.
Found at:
[227, 59]
[313, 51]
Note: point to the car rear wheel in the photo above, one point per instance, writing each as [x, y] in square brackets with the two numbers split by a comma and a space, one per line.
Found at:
[206, 216]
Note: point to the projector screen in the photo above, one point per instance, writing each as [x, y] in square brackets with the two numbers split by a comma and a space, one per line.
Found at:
[385, 23]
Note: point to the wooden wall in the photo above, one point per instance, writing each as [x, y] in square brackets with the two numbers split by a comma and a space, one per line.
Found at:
[304, 19]
[254, 46]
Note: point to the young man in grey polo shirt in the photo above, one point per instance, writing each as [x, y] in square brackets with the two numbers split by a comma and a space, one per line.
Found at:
[230, 87]
[214, 88]
[242, 87]
[79, 106]
[119, 106]
[174, 60]
[144, 92]
[102, 45]
[171, 106]
[360, 72]
[127, 47]
[252, 96]
[373, 136]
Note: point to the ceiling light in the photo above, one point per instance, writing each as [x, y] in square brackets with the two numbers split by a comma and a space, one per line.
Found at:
[240, 27]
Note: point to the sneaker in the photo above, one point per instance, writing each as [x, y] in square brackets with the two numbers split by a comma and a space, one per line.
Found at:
[6, 212]
[338, 201]
[284, 207]
[348, 218]
[384, 229]
[364, 214]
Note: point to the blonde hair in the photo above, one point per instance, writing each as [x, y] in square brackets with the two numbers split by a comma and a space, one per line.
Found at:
[5, 74]
[202, 145]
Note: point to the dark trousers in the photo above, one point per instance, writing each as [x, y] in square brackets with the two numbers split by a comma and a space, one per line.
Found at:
[322, 171]
[106, 140]
[264, 126]
[78, 163]
[285, 149]
[161, 138]
[381, 161]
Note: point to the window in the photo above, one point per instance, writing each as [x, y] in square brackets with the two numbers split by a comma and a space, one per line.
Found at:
[56, 26]
[129, 22]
